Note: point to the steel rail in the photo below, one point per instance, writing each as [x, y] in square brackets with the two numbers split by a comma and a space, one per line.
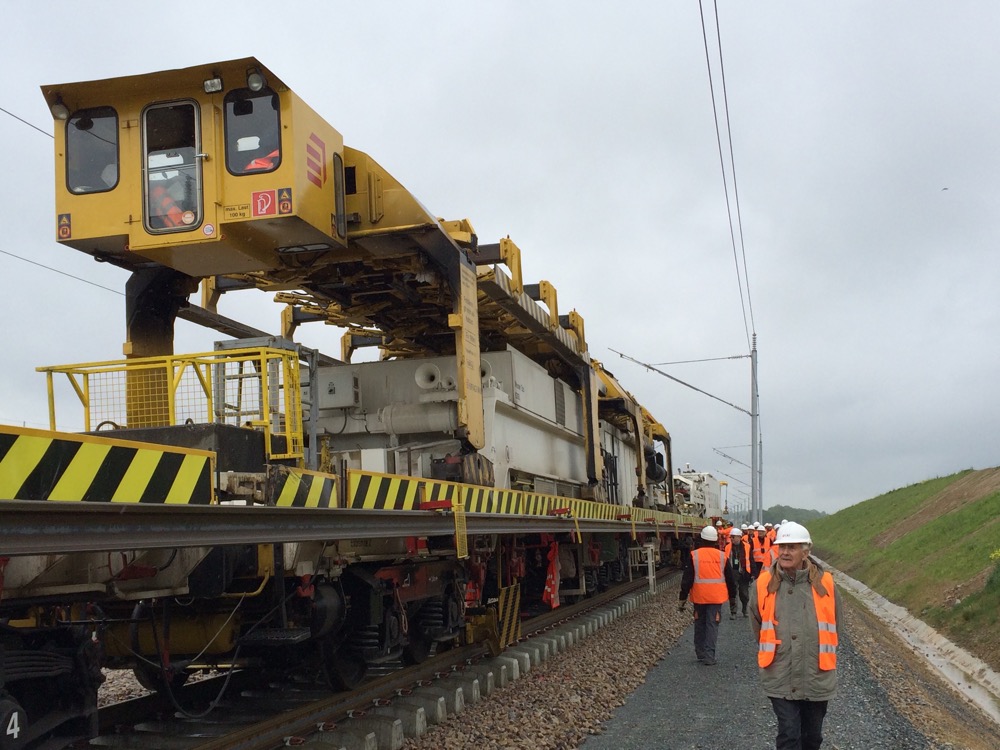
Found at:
[302, 722]
[41, 528]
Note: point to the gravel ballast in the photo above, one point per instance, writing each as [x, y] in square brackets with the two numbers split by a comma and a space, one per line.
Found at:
[636, 684]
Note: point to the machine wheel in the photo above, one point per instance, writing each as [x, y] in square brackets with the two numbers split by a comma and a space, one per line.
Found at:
[418, 649]
[447, 645]
[344, 667]
[152, 678]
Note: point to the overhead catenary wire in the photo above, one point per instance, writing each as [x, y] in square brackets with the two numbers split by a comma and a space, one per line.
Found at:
[707, 359]
[735, 479]
[34, 262]
[30, 125]
[732, 166]
[741, 277]
[744, 303]
[56, 270]
[731, 459]
[681, 382]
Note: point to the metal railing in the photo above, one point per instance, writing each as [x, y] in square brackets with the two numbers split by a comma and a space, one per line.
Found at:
[257, 388]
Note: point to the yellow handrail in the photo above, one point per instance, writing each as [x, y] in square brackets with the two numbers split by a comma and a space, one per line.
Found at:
[259, 387]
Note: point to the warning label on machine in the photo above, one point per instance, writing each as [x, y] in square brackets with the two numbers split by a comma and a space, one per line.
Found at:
[240, 211]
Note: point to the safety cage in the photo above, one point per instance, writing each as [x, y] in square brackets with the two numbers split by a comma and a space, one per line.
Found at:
[257, 388]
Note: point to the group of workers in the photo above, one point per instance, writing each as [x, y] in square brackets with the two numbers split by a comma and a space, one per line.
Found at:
[793, 607]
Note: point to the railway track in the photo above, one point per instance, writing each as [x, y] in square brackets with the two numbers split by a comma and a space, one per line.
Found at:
[399, 703]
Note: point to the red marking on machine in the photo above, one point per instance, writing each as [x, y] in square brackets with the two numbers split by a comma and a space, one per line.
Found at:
[316, 160]
[435, 505]
[264, 203]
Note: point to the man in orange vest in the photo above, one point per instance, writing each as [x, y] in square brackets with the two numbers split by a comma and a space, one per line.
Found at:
[710, 582]
[725, 541]
[795, 604]
[739, 558]
[757, 550]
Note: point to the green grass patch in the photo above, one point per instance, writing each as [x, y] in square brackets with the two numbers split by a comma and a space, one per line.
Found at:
[850, 533]
[934, 568]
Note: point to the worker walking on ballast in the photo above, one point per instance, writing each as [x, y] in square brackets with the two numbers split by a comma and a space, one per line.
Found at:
[710, 581]
[739, 559]
[794, 606]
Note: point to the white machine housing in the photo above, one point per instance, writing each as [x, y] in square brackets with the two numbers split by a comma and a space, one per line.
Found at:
[698, 493]
[397, 416]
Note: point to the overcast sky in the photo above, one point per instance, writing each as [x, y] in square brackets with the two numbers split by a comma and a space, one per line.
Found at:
[867, 152]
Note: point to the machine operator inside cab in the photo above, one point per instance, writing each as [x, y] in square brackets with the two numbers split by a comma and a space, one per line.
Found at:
[213, 169]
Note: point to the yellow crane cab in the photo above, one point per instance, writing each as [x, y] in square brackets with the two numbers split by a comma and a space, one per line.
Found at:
[212, 169]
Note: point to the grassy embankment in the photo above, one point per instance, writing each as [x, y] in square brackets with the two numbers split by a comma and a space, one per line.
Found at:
[927, 548]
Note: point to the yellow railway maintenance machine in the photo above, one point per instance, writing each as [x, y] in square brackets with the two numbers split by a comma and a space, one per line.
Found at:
[188, 175]
[484, 405]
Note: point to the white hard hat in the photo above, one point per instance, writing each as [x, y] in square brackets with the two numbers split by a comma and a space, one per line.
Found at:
[767, 524]
[743, 526]
[784, 520]
[793, 533]
[719, 522]
[756, 524]
[777, 526]
[709, 534]
[735, 532]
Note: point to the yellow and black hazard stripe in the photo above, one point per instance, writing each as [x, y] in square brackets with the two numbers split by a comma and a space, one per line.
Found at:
[507, 501]
[438, 491]
[300, 488]
[43, 465]
[478, 499]
[392, 492]
[383, 492]
[537, 505]
[509, 615]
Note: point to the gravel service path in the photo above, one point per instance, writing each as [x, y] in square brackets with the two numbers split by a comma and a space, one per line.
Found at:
[723, 703]
[637, 685]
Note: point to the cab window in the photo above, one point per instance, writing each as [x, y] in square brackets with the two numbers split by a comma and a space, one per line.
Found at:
[172, 166]
[253, 131]
[92, 150]
[340, 217]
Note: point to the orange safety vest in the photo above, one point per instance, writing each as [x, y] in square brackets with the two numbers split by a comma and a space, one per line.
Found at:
[709, 576]
[744, 554]
[262, 162]
[758, 548]
[170, 213]
[826, 622]
[771, 555]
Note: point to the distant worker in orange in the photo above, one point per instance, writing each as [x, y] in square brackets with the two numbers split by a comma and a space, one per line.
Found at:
[739, 559]
[757, 550]
[794, 606]
[710, 582]
[725, 542]
[772, 550]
